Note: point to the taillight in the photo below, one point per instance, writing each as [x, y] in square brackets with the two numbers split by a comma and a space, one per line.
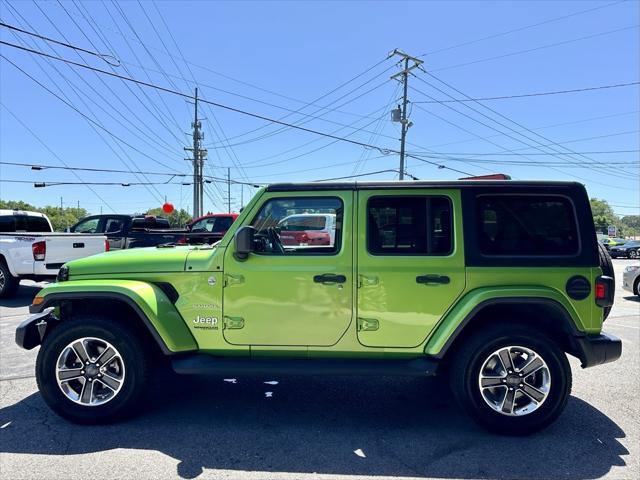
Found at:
[106, 245]
[604, 291]
[39, 250]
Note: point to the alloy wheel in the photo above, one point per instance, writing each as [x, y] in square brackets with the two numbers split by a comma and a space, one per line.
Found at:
[90, 371]
[514, 381]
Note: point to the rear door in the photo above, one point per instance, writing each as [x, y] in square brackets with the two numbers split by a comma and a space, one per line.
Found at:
[114, 229]
[410, 264]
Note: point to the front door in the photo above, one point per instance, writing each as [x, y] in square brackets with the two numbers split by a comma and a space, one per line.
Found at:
[410, 264]
[288, 293]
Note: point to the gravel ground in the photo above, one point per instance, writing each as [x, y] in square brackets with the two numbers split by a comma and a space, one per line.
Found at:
[321, 427]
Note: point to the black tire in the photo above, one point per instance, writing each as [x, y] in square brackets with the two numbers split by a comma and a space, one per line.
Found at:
[636, 287]
[607, 269]
[469, 359]
[633, 254]
[133, 350]
[8, 283]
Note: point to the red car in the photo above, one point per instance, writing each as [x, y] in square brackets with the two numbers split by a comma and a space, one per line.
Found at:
[308, 229]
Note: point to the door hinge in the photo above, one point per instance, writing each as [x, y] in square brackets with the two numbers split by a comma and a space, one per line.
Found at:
[365, 281]
[233, 323]
[367, 324]
[232, 279]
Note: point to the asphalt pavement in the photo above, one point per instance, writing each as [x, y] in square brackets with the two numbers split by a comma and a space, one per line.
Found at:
[305, 427]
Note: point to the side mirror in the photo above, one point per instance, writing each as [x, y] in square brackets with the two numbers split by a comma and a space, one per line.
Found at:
[244, 243]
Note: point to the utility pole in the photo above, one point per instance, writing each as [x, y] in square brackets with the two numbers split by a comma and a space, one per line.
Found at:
[198, 156]
[400, 114]
[228, 190]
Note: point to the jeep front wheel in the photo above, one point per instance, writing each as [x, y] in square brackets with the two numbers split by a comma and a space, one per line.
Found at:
[92, 370]
[511, 380]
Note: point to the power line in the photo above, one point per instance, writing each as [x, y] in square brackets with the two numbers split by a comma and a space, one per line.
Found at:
[216, 104]
[157, 116]
[494, 128]
[539, 94]
[44, 144]
[92, 121]
[519, 29]
[551, 144]
[117, 6]
[562, 124]
[42, 166]
[76, 90]
[162, 116]
[360, 175]
[102, 56]
[529, 50]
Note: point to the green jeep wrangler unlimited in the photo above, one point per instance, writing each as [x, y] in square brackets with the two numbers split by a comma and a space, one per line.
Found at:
[487, 282]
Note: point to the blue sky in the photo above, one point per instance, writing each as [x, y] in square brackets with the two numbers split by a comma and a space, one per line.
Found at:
[274, 58]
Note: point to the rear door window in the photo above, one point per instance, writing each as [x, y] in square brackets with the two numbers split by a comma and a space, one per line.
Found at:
[113, 225]
[409, 226]
[526, 225]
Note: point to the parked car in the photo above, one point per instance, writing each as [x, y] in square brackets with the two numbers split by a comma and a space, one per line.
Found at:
[138, 231]
[213, 227]
[630, 249]
[609, 242]
[308, 229]
[30, 250]
[631, 279]
[490, 283]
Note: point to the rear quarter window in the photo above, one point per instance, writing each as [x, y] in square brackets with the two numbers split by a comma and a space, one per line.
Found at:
[38, 224]
[7, 224]
[526, 225]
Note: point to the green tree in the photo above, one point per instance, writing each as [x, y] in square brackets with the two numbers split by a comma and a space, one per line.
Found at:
[177, 218]
[631, 224]
[60, 218]
[16, 205]
[603, 215]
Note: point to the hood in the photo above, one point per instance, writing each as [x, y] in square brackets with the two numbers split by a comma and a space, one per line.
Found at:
[135, 260]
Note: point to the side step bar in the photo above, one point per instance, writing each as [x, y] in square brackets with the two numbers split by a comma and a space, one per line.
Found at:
[197, 364]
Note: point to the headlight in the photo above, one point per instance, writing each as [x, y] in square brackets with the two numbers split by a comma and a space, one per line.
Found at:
[63, 274]
[632, 268]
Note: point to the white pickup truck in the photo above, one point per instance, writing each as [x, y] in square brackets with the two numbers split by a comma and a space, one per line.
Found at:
[30, 250]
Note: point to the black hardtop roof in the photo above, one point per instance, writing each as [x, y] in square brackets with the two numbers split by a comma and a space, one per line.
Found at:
[324, 186]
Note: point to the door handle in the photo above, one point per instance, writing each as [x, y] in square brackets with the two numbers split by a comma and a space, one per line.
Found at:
[440, 279]
[329, 278]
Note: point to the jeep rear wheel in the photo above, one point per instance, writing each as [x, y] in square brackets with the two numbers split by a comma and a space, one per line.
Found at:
[511, 380]
[92, 370]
